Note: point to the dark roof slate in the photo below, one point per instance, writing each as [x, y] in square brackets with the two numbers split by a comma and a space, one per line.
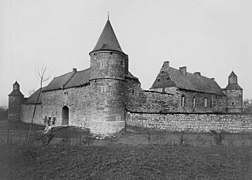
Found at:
[73, 79]
[189, 81]
[16, 93]
[34, 99]
[107, 39]
[59, 82]
[233, 87]
[79, 78]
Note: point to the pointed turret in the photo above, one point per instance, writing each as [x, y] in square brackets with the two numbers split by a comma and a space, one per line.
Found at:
[16, 98]
[107, 39]
[234, 94]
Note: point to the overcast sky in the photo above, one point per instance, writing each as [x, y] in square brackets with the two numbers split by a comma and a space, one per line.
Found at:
[213, 37]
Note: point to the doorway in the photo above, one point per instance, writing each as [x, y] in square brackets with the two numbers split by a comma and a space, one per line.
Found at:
[65, 115]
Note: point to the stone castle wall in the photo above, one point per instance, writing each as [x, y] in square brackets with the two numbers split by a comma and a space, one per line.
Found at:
[76, 99]
[27, 112]
[192, 122]
[138, 100]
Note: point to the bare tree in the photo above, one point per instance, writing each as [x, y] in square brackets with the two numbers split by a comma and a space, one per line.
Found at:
[42, 77]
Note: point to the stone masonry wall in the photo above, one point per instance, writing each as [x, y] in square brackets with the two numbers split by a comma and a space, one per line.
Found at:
[192, 122]
[76, 99]
[234, 100]
[138, 100]
[27, 112]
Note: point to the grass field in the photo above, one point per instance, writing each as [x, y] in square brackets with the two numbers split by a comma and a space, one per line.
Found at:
[125, 162]
[122, 160]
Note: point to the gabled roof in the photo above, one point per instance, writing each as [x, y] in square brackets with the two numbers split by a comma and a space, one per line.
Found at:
[73, 79]
[68, 80]
[232, 74]
[59, 82]
[175, 78]
[34, 99]
[79, 78]
[107, 39]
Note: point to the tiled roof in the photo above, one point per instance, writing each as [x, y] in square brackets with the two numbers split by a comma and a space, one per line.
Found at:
[33, 99]
[15, 93]
[59, 82]
[79, 78]
[175, 78]
[107, 39]
[73, 79]
[233, 87]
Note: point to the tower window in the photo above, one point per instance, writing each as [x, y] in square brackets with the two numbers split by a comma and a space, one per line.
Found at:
[194, 102]
[205, 103]
[183, 101]
[122, 64]
[104, 89]
[102, 65]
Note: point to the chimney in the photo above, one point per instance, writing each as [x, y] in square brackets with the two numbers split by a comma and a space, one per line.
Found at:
[74, 69]
[183, 70]
[197, 73]
[165, 66]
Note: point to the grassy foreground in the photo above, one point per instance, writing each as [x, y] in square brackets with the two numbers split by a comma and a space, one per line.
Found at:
[125, 162]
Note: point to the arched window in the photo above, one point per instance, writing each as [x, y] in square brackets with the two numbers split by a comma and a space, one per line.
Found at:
[183, 100]
[194, 102]
[205, 103]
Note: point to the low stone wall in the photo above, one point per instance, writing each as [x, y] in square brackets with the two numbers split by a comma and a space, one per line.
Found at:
[234, 123]
[27, 112]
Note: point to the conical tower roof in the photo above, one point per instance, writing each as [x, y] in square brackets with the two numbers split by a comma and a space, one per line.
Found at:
[107, 39]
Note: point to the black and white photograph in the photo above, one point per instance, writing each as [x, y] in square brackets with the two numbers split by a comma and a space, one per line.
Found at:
[126, 89]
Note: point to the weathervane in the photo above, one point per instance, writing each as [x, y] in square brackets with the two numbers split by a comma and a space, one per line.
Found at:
[108, 14]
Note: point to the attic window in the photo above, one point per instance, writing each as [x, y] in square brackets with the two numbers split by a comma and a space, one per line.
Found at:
[158, 80]
[168, 78]
[162, 71]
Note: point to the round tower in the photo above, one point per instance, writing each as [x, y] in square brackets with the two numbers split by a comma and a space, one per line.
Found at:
[234, 95]
[16, 99]
[108, 66]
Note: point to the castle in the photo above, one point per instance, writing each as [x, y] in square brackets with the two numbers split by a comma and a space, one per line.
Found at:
[99, 97]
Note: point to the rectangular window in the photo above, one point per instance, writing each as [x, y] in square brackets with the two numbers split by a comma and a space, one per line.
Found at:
[194, 102]
[104, 89]
[183, 101]
[205, 103]
[102, 65]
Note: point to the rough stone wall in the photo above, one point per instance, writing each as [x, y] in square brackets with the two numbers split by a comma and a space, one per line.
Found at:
[27, 112]
[234, 101]
[214, 103]
[76, 99]
[14, 111]
[138, 100]
[107, 83]
[192, 122]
